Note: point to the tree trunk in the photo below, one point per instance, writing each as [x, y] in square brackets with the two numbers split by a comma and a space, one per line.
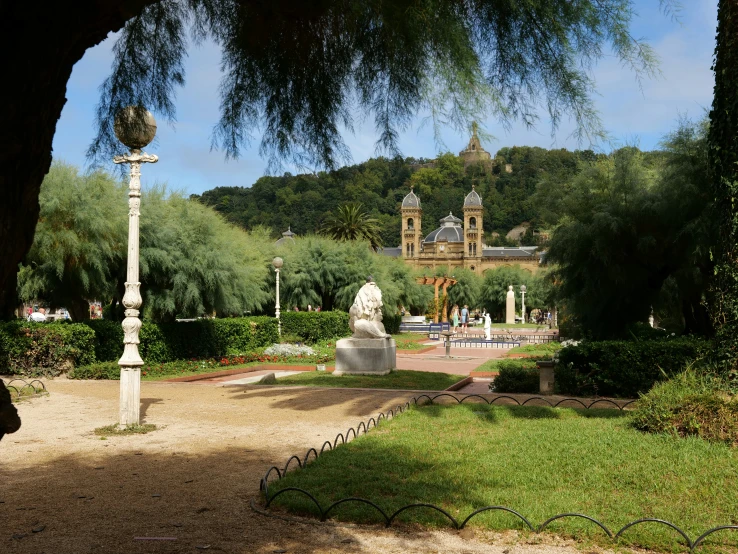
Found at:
[79, 310]
[41, 45]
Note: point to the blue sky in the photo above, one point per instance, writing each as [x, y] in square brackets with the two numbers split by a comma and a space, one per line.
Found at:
[630, 114]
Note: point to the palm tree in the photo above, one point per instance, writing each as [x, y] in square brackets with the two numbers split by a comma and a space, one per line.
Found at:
[350, 222]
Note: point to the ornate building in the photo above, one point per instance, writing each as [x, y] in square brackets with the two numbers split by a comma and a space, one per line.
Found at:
[456, 245]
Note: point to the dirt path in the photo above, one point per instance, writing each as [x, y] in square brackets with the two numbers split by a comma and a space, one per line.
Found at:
[192, 479]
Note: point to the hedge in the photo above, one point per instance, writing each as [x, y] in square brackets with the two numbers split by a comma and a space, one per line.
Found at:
[44, 348]
[204, 338]
[517, 376]
[51, 348]
[392, 323]
[314, 327]
[623, 368]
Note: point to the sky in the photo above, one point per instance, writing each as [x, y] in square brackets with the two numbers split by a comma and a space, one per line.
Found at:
[631, 113]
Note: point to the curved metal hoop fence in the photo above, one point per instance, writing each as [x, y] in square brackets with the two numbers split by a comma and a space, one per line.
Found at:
[296, 462]
[20, 387]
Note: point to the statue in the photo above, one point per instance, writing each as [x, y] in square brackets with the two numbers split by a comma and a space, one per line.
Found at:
[487, 326]
[365, 316]
[370, 350]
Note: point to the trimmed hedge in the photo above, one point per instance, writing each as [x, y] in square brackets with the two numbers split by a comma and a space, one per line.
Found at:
[517, 376]
[314, 327]
[623, 368]
[204, 338]
[51, 348]
[29, 348]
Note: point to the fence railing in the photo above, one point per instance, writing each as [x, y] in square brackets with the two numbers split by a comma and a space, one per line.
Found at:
[20, 387]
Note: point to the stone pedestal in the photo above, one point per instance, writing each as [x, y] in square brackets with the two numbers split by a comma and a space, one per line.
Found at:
[546, 369]
[365, 356]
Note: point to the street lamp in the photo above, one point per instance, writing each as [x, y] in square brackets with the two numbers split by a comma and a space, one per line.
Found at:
[522, 294]
[278, 263]
[135, 127]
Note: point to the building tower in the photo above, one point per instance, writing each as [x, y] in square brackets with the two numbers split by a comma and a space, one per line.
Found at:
[411, 230]
[473, 231]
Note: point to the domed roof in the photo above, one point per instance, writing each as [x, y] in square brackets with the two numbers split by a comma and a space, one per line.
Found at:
[287, 236]
[411, 200]
[473, 198]
[450, 230]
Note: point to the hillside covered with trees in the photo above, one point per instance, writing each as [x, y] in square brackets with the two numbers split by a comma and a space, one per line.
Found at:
[303, 202]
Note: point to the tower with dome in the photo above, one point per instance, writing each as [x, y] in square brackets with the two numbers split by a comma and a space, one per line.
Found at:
[457, 242]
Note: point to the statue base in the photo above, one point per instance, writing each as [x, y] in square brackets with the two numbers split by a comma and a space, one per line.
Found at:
[365, 356]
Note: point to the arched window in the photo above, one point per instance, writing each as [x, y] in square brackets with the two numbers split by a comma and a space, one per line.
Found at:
[407, 250]
[472, 223]
[410, 224]
[470, 248]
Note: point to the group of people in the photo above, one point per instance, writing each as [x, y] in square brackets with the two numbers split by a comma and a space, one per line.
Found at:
[460, 316]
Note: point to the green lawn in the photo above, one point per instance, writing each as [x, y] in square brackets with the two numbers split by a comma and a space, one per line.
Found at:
[398, 379]
[538, 461]
[411, 344]
[543, 350]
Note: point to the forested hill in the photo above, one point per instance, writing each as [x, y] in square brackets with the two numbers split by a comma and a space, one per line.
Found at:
[304, 201]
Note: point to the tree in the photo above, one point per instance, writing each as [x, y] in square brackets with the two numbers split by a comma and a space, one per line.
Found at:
[299, 69]
[192, 262]
[79, 242]
[723, 152]
[350, 222]
[629, 229]
[323, 272]
[493, 296]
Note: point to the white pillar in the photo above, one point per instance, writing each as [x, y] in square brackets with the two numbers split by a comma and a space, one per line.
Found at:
[510, 307]
[130, 362]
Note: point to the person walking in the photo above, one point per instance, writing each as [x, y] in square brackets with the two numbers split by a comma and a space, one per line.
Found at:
[465, 318]
[455, 317]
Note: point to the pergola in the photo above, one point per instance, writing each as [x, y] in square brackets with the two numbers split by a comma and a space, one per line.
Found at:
[439, 282]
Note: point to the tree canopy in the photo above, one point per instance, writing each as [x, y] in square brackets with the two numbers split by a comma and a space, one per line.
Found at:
[636, 236]
[299, 71]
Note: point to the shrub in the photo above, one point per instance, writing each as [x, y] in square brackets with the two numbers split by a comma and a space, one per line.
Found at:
[517, 376]
[108, 339]
[689, 404]
[45, 348]
[99, 370]
[205, 338]
[392, 323]
[623, 368]
[289, 350]
[314, 327]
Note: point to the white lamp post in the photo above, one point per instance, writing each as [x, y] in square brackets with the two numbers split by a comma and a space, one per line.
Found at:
[277, 263]
[522, 294]
[135, 127]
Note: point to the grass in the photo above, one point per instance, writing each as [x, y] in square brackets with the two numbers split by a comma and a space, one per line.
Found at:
[538, 461]
[115, 430]
[545, 350]
[398, 379]
[412, 344]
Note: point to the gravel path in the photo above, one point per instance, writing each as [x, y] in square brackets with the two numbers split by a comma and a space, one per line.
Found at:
[192, 479]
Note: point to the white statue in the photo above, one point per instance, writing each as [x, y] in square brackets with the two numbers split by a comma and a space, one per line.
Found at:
[365, 316]
[487, 326]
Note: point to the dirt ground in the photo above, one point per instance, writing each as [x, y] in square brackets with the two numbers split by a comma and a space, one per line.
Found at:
[65, 490]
